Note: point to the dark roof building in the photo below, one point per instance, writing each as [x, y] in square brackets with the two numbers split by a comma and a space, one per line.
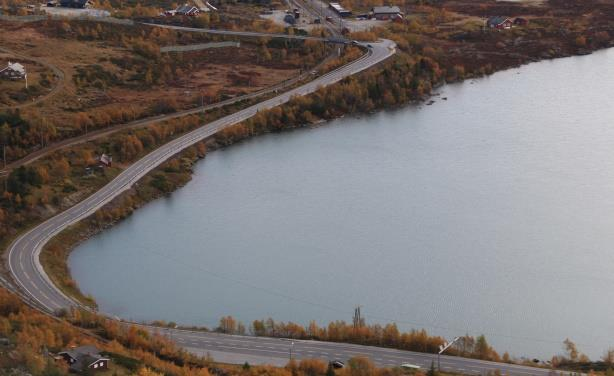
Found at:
[386, 12]
[499, 22]
[187, 10]
[341, 11]
[76, 3]
[84, 358]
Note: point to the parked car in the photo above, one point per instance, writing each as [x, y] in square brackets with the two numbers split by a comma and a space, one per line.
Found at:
[337, 364]
[290, 19]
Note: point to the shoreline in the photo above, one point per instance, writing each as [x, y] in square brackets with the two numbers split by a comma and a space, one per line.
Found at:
[70, 240]
[215, 144]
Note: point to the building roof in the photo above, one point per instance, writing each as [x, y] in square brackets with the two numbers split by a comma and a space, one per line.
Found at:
[337, 7]
[80, 351]
[16, 67]
[85, 361]
[185, 9]
[386, 10]
[105, 159]
[75, 3]
[84, 357]
[497, 20]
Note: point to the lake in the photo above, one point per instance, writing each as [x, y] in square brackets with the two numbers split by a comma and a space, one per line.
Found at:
[490, 212]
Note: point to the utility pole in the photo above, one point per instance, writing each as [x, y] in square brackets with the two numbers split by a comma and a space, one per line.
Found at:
[358, 320]
[291, 346]
[443, 348]
[202, 105]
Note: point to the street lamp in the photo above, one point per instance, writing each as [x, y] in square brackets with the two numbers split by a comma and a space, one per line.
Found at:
[291, 347]
[443, 348]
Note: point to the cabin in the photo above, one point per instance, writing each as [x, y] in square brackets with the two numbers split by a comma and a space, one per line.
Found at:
[84, 359]
[187, 10]
[13, 71]
[386, 13]
[105, 160]
[341, 11]
[519, 21]
[499, 23]
[78, 4]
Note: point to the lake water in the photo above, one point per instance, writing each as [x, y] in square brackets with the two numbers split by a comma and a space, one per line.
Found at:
[489, 212]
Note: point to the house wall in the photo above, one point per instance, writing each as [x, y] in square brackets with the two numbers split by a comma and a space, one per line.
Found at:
[67, 358]
[384, 16]
[11, 74]
[101, 364]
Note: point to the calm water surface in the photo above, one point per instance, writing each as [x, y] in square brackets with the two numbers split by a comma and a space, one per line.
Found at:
[491, 212]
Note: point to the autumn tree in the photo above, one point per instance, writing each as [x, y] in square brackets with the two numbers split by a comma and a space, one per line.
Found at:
[4, 140]
[312, 367]
[227, 325]
[360, 366]
[60, 168]
[571, 349]
[82, 121]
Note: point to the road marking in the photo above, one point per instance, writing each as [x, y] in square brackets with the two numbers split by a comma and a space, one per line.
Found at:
[42, 233]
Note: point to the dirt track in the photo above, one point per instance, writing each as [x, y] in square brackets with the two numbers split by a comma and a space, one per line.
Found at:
[57, 71]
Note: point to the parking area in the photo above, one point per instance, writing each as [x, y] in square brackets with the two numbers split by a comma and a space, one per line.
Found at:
[75, 13]
[304, 22]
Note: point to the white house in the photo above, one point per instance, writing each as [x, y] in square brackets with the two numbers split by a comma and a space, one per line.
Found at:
[13, 71]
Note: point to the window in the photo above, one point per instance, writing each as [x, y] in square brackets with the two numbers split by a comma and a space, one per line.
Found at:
[96, 365]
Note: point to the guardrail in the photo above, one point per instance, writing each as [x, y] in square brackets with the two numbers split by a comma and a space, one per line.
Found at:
[200, 46]
[84, 17]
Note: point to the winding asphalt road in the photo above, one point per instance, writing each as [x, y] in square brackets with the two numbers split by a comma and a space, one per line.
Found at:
[140, 123]
[29, 275]
[334, 39]
[276, 351]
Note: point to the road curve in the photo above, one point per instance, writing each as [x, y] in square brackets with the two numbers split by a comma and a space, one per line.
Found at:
[23, 253]
[140, 123]
[28, 274]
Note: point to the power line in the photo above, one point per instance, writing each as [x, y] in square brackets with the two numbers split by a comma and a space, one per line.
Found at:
[418, 325]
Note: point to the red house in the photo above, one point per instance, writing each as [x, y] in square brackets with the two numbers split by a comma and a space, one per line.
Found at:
[499, 23]
[105, 160]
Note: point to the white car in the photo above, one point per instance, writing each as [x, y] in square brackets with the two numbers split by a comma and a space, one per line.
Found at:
[409, 366]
